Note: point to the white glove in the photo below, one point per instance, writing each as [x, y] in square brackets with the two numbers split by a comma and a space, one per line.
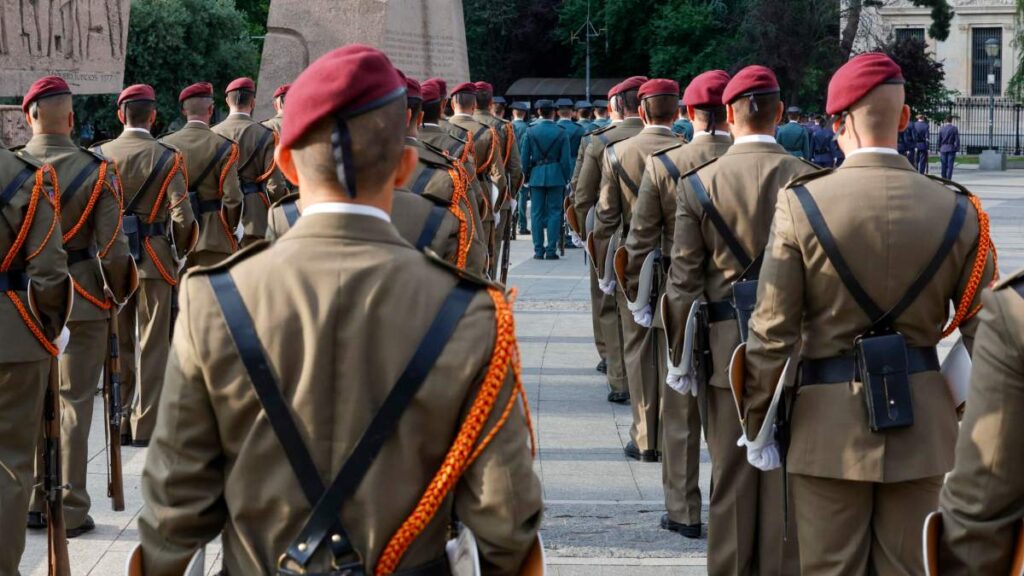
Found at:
[497, 218]
[515, 204]
[239, 231]
[764, 457]
[682, 383]
[644, 316]
[607, 287]
[62, 341]
[576, 240]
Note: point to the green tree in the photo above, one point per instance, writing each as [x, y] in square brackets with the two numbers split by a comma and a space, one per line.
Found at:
[701, 30]
[924, 77]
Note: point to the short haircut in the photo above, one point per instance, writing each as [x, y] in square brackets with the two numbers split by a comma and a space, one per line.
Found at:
[547, 113]
[949, 118]
[137, 113]
[704, 114]
[431, 112]
[51, 112]
[626, 102]
[586, 113]
[378, 138]
[661, 109]
[794, 115]
[763, 119]
[484, 99]
[198, 106]
[465, 99]
[240, 98]
[415, 106]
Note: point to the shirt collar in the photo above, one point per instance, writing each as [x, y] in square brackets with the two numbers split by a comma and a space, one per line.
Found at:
[246, 114]
[657, 128]
[454, 116]
[200, 122]
[345, 208]
[874, 150]
[140, 130]
[704, 134]
[758, 138]
[794, 122]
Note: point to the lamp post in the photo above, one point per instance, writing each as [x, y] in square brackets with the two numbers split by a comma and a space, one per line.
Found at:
[588, 31]
[991, 159]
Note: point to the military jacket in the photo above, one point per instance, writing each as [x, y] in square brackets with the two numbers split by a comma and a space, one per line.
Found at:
[459, 149]
[274, 123]
[545, 152]
[520, 127]
[490, 167]
[214, 159]
[586, 181]
[509, 148]
[35, 260]
[795, 139]
[102, 271]
[213, 437]
[136, 154]
[602, 122]
[684, 128]
[587, 125]
[256, 170]
[888, 222]
[575, 133]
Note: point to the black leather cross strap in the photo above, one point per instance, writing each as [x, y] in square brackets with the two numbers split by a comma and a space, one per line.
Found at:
[147, 229]
[221, 151]
[1018, 287]
[324, 517]
[613, 159]
[259, 146]
[879, 317]
[430, 227]
[81, 255]
[738, 252]
[14, 185]
[839, 369]
[251, 188]
[207, 206]
[673, 171]
[157, 168]
[13, 280]
[422, 180]
[291, 213]
[72, 189]
[543, 153]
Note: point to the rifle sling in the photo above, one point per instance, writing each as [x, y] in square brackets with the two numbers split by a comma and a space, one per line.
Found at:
[718, 222]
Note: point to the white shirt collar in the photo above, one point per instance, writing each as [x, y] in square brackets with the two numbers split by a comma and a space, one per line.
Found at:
[758, 138]
[874, 150]
[246, 114]
[345, 208]
[200, 122]
[657, 127]
[794, 122]
[141, 130]
[704, 134]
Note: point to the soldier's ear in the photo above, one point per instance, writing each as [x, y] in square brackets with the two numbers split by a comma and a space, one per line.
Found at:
[283, 157]
[730, 114]
[691, 113]
[781, 110]
[406, 166]
[120, 115]
[904, 117]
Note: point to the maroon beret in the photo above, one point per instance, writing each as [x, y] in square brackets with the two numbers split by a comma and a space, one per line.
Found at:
[241, 84]
[137, 92]
[706, 89]
[430, 91]
[282, 90]
[197, 90]
[350, 80]
[659, 87]
[413, 89]
[484, 87]
[43, 88]
[464, 87]
[442, 86]
[750, 81]
[856, 78]
[631, 83]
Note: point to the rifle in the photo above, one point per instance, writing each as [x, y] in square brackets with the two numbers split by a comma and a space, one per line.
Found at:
[174, 311]
[112, 414]
[53, 490]
[563, 224]
[702, 362]
[506, 247]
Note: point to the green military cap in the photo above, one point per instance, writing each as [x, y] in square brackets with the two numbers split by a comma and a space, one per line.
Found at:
[583, 105]
[524, 106]
[793, 110]
[544, 104]
[600, 103]
[563, 103]
[498, 100]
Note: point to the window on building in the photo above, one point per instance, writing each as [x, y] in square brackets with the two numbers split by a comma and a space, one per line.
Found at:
[982, 65]
[907, 33]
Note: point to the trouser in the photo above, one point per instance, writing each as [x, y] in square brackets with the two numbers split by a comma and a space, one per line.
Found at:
[605, 310]
[596, 307]
[206, 258]
[642, 375]
[849, 528]
[524, 197]
[948, 159]
[545, 207]
[922, 160]
[149, 310]
[680, 449]
[504, 223]
[22, 389]
[745, 530]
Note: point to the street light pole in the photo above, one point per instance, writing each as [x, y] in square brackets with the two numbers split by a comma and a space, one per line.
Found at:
[992, 50]
[588, 30]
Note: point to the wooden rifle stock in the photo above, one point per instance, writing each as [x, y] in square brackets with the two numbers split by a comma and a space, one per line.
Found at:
[56, 538]
[506, 247]
[112, 414]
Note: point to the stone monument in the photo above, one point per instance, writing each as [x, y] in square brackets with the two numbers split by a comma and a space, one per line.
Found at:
[423, 38]
[82, 41]
[14, 130]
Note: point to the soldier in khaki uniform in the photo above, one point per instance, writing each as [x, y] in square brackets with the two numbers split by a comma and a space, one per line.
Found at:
[622, 169]
[103, 275]
[863, 480]
[586, 185]
[211, 163]
[197, 481]
[981, 502]
[508, 149]
[35, 305]
[277, 120]
[652, 228]
[256, 167]
[745, 530]
[161, 231]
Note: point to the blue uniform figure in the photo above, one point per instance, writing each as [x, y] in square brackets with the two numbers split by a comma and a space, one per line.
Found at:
[545, 152]
[599, 120]
[793, 136]
[907, 143]
[949, 145]
[823, 147]
[920, 132]
[519, 127]
[684, 128]
[585, 113]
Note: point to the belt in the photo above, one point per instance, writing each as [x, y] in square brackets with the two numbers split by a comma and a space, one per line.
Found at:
[839, 369]
[15, 280]
[437, 567]
[154, 229]
[251, 187]
[207, 206]
[82, 255]
[720, 311]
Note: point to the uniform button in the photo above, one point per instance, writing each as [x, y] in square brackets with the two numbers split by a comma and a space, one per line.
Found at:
[302, 546]
[336, 539]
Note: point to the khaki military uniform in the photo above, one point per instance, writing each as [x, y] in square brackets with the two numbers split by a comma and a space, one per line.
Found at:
[257, 172]
[31, 251]
[198, 478]
[586, 185]
[745, 530]
[104, 276]
[982, 500]
[509, 150]
[163, 204]
[462, 152]
[211, 166]
[275, 123]
[861, 497]
[618, 195]
[490, 170]
[652, 227]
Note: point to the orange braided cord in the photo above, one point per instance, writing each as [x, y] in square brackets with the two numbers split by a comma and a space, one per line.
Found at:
[54, 195]
[118, 188]
[458, 193]
[117, 229]
[101, 304]
[469, 149]
[156, 262]
[227, 232]
[232, 159]
[97, 189]
[490, 153]
[37, 189]
[510, 140]
[175, 167]
[31, 324]
[985, 245]
[273, 162]
[460, 454]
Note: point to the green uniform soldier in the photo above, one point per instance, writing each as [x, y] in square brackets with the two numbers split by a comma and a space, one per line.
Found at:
[211, 162]
[723, 217]
[793, 136]
[498, 106]
[256, 166]
[868, 447]
[585, 115]
[548, 165]
[980, 503]
[519, 124]
[601, 114]
[408, 375]
[274, 123]
[683, 126]
[586, 186]
[161, 231]
[651, 230]
[508, 148]
[33, 311]
[103, 275]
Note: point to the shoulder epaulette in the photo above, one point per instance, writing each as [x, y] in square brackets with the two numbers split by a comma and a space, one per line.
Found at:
[667, 148]
[435, 156]
[464, 274]
[1016, 279]
[243, 254]
[809, 163]
[27, 158]
[455, 128]
[956, 186]
[701, 167]
[286, 199]
[805, 178]
[602, 129]
[169, 146]
[95, 145]
[95, 154]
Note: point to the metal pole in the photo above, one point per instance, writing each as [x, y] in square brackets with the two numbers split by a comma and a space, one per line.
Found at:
[588, 55]
[991, 105]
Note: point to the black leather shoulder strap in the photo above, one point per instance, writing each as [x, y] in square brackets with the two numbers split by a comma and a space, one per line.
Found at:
[613, 159]
[148, 183]
[430, 227]
[267, 133]
[15, 184]
[72, 189]
[221, 151]
[422, 180]
[673, 170]
[291, 213]
[1018, 287]
[737, 249]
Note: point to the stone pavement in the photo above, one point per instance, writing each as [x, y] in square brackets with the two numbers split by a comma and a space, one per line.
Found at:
[602, 510]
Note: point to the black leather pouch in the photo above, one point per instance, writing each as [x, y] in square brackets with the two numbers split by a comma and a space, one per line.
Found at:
[744, 299]
[882, 368]
[130, 225]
